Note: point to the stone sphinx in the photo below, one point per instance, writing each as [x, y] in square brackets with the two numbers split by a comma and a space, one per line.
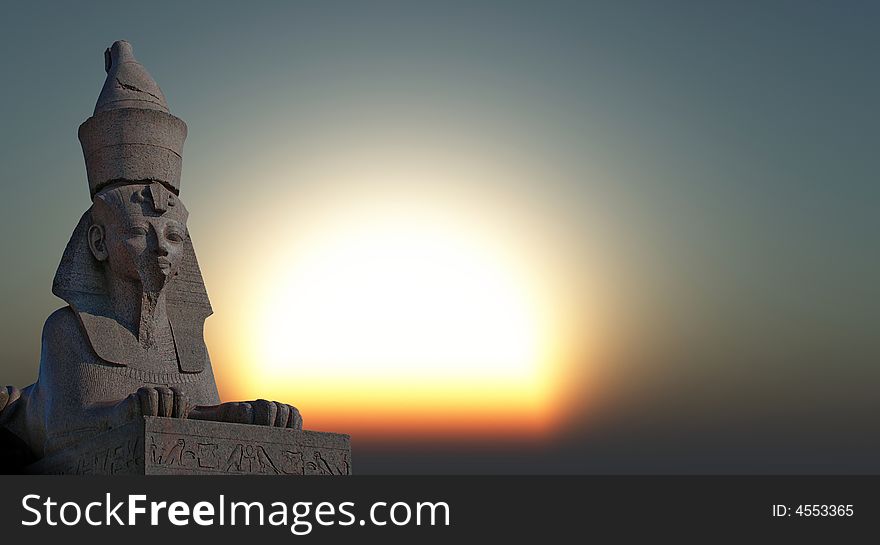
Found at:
[130, 342]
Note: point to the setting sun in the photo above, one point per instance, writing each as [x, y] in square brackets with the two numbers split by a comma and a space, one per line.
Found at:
[405, 309]
[402, 304]
[405, 298]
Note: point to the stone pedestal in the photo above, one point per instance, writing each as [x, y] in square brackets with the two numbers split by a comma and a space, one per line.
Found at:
[170, 446]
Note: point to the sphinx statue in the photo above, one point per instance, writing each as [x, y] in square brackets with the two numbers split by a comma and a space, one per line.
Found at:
[130, 341]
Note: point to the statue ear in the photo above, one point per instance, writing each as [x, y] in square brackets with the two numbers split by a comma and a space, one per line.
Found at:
[97, 242]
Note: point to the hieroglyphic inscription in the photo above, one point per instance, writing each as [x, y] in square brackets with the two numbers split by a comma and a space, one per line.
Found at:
[119, 458]
[320, 466]
[170, 451]
[168, 446]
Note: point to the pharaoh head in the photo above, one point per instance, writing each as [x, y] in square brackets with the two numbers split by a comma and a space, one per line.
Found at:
[135, 231]
[138, 232]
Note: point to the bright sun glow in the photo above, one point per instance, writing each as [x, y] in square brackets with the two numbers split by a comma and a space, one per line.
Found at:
[404, 299]
[386, 307]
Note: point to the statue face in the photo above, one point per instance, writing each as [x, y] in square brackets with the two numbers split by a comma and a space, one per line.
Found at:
[139, 230]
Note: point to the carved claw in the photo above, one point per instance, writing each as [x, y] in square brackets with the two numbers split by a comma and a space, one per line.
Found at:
[277, 414]
[259, 412]
[287, 417]
[162, 401]
[264, 412]
[295, 421]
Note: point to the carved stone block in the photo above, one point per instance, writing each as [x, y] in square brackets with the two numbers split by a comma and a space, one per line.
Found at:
[172, 446]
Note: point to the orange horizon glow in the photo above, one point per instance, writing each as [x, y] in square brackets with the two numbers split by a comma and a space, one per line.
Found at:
[443, 309]
[432, 419]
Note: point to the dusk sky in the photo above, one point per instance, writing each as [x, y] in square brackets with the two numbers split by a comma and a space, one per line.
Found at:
[544, 237]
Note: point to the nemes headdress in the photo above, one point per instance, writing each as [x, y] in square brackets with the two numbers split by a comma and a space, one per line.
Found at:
[131, 139]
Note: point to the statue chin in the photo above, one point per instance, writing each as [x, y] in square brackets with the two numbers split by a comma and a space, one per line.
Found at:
[154, 282]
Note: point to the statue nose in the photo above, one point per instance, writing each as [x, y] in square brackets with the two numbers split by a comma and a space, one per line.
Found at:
[160, 243]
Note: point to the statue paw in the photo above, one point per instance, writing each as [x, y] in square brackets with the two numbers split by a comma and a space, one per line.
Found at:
[262, 412]
[162, 401]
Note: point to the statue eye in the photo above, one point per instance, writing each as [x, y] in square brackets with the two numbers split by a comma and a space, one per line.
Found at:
[138, 231]
[174, 236]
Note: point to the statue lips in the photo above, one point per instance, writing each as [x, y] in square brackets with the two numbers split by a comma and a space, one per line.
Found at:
[164, 265]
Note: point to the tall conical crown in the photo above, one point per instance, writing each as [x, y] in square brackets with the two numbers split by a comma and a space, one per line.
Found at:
[131, 137]
[128, 83]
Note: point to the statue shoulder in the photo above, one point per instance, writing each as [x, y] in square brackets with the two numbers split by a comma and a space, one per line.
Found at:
[63, 332]
[62, 321]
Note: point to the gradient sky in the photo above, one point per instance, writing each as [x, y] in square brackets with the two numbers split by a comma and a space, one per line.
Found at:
[498, 237]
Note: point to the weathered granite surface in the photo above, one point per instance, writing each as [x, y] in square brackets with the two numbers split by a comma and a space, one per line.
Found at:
[124, 367]
[171, 446]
